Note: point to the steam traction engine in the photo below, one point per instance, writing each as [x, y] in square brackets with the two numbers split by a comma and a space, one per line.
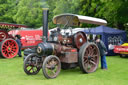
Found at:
[61, 50]
[8, 46]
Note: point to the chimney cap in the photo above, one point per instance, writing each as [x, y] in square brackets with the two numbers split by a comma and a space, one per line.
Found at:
[45, 8]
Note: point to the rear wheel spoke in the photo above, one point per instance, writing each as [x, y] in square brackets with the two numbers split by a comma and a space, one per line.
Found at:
[93, 63]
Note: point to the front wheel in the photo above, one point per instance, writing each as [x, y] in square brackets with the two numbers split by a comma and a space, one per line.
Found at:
[51, 67]
[31, 66]
[89, 57]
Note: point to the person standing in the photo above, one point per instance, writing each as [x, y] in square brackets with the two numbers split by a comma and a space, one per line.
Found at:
[17, 37]
[103, 52]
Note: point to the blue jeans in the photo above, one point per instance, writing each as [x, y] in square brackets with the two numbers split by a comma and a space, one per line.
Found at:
[19, 52]
[103, 62]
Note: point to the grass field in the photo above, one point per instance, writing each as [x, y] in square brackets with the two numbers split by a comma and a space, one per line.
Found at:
[11, 73]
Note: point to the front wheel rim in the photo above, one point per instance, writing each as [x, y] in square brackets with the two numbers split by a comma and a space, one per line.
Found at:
[31, 66]
[51, 67]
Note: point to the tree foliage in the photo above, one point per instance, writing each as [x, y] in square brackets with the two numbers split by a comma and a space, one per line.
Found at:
[7, 10]
[114, 11]
[61, 6]
[29, 12]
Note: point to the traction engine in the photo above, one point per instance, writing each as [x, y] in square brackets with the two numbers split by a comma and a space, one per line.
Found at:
[8, 46]
[61, 50]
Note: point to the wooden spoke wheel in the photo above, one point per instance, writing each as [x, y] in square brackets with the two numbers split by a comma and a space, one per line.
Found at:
[31, 66]
[51, 67]
[79, 39]
[89, 57]
[9, 48]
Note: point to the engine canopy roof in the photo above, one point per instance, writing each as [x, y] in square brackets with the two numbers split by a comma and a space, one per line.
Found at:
[75, 20]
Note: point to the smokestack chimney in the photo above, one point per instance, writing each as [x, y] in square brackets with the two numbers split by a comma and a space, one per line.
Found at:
[45, 24]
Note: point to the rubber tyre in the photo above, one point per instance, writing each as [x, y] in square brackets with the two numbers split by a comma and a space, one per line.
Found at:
[123, 55]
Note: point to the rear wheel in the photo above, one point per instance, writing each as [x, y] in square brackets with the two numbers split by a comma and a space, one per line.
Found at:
[89, 57]
[51, 66]
[9, 48]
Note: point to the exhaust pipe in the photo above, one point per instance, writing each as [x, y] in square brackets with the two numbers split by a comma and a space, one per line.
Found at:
[45, 24]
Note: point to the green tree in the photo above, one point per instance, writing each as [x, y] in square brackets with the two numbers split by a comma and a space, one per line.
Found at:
[61, 6]
[89, 8]
[115, 12]
[7, 10]
[29, 12]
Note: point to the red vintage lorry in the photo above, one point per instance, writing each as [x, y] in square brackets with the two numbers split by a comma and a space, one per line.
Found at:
[29, 37]
[8, 46]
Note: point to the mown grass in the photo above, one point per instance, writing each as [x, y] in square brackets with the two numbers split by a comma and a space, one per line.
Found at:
[11, 73]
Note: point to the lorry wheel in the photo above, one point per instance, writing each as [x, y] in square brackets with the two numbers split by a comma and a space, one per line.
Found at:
[122, 55]
[31, 66]
[51, 67]
[9, 48]
[89, 57]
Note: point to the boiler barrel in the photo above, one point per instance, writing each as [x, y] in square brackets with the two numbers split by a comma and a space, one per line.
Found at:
[45, 49]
